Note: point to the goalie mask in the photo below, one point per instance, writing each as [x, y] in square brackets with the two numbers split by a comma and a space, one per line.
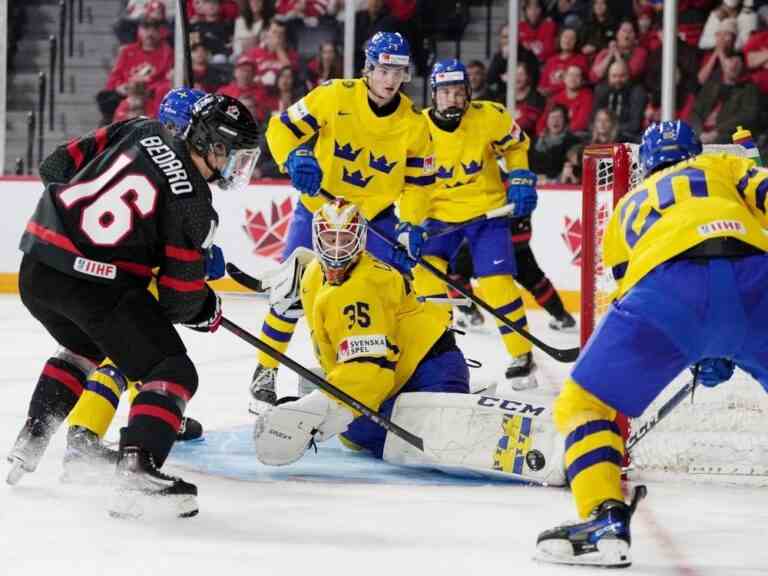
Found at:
[338, 238]
[223, 126]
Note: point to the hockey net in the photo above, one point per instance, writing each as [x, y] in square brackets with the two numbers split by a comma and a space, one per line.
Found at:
[719, 434]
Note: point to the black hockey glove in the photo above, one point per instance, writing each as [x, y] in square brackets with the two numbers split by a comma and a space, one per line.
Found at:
[209, 317]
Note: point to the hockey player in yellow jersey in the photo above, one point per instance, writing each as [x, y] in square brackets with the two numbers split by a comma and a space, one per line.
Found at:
[469, 139]
[687, 247]
[372, 337]
[371, 147]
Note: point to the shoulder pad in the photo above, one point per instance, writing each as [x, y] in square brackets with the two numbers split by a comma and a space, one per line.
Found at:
[348, 84]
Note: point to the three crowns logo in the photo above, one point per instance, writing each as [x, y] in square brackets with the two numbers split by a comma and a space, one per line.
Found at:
[346, 152]
[380, 163]
[443, 172]
[355, 178]
[472, 168]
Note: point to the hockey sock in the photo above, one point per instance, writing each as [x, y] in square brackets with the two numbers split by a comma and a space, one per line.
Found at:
[548, 298]
[276, 331]
[502, 293]
[58, 388]
[98, 403]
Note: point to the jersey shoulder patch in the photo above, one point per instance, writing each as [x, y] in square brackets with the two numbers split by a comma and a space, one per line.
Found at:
[348, 84]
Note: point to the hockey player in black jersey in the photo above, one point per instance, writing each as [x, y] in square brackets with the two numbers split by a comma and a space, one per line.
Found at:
[119, 204]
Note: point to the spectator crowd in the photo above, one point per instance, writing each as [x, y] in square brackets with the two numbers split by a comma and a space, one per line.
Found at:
[588, 70]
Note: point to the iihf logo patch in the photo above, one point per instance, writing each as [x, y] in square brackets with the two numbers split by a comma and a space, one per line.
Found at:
[233, 112]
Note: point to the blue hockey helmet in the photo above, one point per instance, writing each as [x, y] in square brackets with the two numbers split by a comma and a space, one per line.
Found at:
[175, 110]
[450, 72]
[666, 143]
[387, 49]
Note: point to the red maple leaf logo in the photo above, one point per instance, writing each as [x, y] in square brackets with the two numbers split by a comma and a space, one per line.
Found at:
[572, 238]
[269, 236]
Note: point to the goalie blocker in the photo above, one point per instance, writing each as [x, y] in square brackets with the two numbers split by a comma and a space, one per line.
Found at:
[464, 434]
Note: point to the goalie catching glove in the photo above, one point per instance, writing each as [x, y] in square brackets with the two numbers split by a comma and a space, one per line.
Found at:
[284, 432]
[284, 284]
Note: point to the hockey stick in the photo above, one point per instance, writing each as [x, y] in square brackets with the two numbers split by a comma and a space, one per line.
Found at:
[664, 411]
[189, 79]
[505, 210]
[323, 384]
[244, 279]
[563, 355]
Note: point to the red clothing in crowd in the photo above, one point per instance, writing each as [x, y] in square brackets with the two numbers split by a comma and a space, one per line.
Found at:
[153, 66]
[312, 8]
[526, 115]
[651, 40]
[579, 110]
[758, 41]
[540, 40]
[229, 9]
[552, 75]
[267, 64]
[232, 89]
[636, 64]
[403, 10]
[122, 112]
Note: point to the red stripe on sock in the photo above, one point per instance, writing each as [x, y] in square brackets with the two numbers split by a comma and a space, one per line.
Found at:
[544, 298]
[166, 387]
[65, 378]
[155, 412]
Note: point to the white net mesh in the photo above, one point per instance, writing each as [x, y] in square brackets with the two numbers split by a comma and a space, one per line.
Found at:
[722, 433]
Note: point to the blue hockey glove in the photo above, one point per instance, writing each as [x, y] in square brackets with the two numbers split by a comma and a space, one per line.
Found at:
[401, 260]
[214, 263]
[521, 191]
[411, 237]
[306, 174]
[714, 371]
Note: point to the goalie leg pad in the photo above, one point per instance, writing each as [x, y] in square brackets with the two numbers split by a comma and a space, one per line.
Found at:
[513, 438]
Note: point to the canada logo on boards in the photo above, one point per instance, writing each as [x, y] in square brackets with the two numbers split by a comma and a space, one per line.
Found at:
[268, 228]
[571, 235]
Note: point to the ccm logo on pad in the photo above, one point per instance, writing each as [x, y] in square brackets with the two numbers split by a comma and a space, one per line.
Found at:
[510, 405]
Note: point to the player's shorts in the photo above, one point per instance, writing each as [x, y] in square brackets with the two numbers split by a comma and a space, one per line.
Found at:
[96, 320]
[300, 233]
[489, 243]
[443, 369]
[681, 312]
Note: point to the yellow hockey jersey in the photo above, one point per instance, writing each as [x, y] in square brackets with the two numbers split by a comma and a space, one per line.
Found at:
[366, 159]
[370, 333]
[468, 178]
[708, 196]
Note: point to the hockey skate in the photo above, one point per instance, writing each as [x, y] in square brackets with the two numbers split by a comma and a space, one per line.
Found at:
[263, 390]
[189, 430]
[602, 540]
[140, 486]
[28, 449]
[469, 317]
[87, 459]
[565, 323]
[521, 372]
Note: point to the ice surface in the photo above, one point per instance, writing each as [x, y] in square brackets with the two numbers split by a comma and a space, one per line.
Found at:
[339, 514]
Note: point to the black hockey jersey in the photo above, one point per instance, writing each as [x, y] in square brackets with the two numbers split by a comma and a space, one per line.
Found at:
[123, 204]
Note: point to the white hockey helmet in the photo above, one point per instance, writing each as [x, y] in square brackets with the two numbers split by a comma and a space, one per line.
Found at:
[338, 238]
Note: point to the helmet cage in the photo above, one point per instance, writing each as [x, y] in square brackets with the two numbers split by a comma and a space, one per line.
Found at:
[339, 233]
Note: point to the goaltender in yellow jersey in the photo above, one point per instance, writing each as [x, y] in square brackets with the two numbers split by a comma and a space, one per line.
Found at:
[364, 141]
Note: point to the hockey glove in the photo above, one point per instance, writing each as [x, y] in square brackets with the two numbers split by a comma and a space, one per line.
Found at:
[714, 371]
[411, 237]
[521, 191]
[306, 174]
[209, 317]
[214, 263]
